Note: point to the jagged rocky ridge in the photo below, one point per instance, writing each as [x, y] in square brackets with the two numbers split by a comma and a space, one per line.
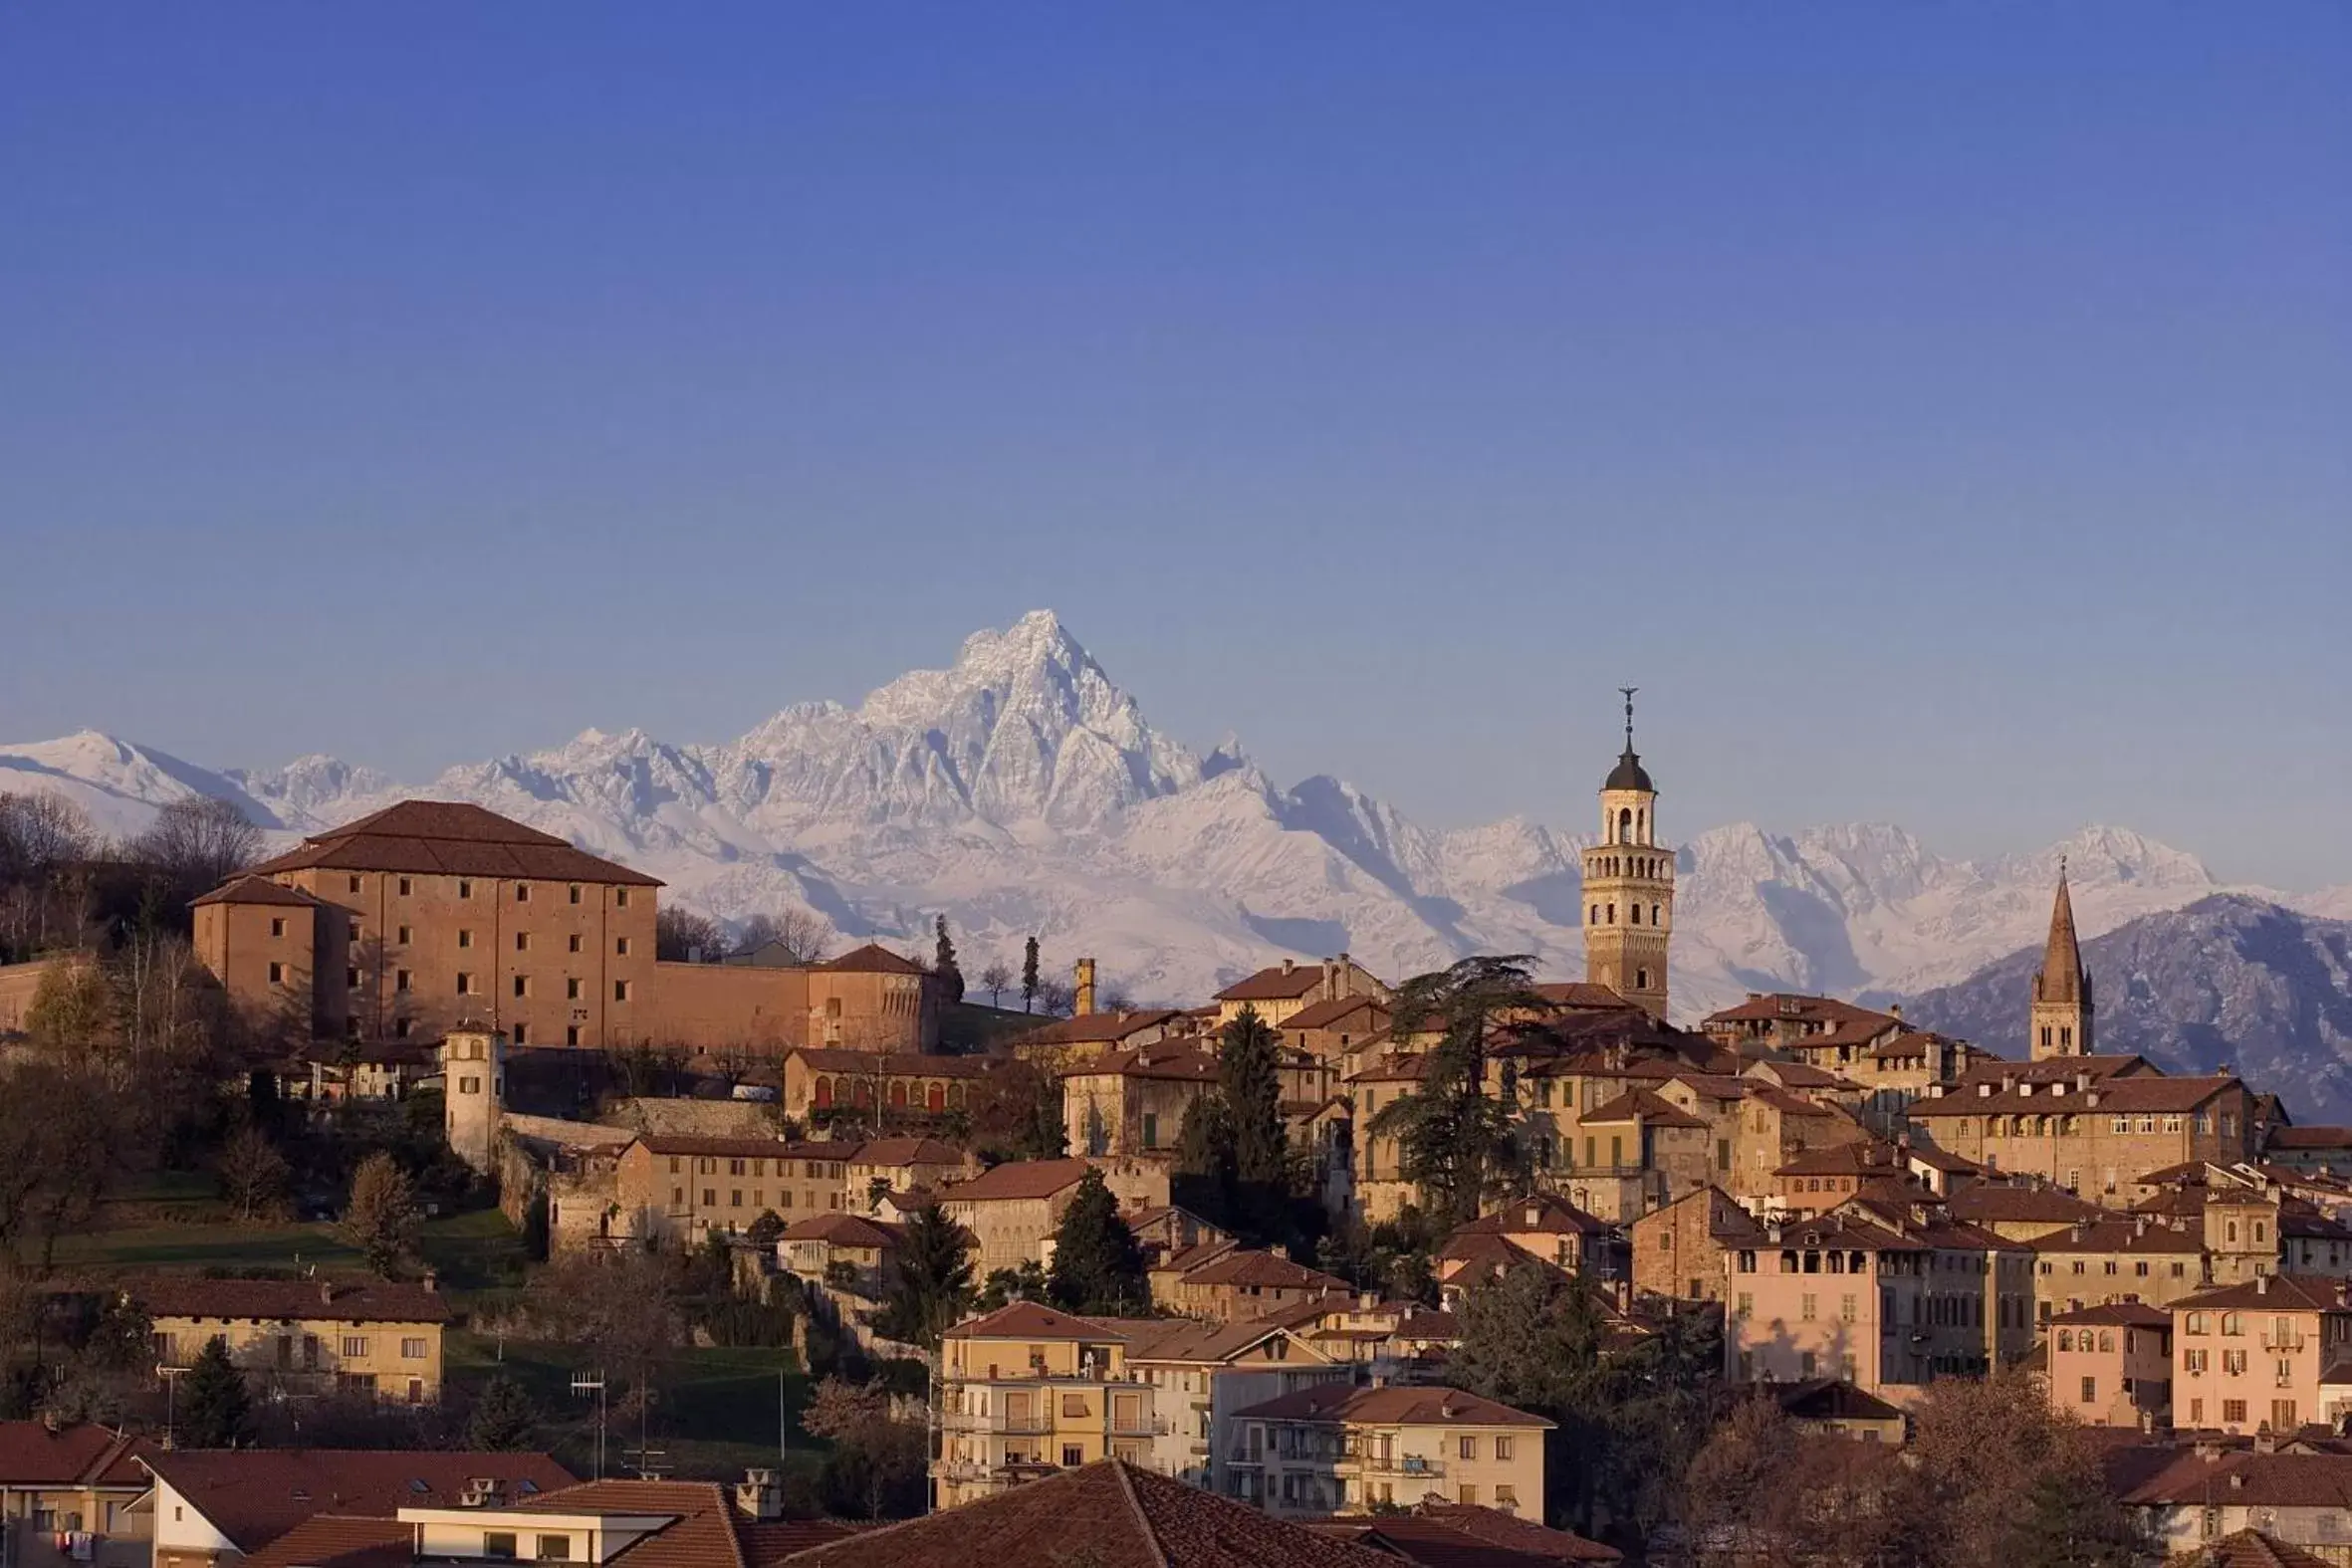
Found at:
[1020, 789]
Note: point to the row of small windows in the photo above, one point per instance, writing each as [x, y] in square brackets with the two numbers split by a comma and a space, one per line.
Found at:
[575, 942]
[2068, 1125]
[1628, 865]
[405, 886]
[1605, 914]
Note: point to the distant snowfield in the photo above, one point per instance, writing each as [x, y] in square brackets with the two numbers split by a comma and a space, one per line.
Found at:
[1022, 792]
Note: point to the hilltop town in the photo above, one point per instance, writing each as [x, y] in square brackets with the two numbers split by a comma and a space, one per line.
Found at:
[431, 1191]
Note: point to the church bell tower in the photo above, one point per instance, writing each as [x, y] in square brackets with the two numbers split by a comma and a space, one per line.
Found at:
[1629, 885]
[2059, 1023]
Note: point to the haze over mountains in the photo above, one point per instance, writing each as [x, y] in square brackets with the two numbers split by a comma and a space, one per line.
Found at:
[1022, 790]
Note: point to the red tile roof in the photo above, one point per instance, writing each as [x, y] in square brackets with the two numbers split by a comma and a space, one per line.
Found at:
[1176, 1062]
[2113, 1314]
[1393, 1406]
[1276, 984]
[1118, 1515]
[1646, 1104]
[1985, 1202]
[1017, 1179]
[1268, 1270]
[871, 958]
[85, 1454]
[891, 1063]
[1547, 1213]
[339, 1541]
[278, 1300]
[1330, 1015]
[251, 889]
[2248, 1481]
[255, 1496]
[2314, 1138]
[745, 1148]
[1032, 1320]
[1512, 1533]
[451, 838]
[2273, 1293]
[702, 1533]
[845, 1231]
[907, 1151]
[1772, 1007]
[1090, 1029]
[2253, 1549]
[1582, 994]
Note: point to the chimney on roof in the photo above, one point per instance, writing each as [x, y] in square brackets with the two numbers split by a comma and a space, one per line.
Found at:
[1289, 966]
[2262, 1284]
[1895, 1010]
[759, 1497]
[1082, 986]
[432, 1280]
[327, 1292]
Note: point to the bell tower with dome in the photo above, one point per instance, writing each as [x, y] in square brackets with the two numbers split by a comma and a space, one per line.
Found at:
[1629, 885]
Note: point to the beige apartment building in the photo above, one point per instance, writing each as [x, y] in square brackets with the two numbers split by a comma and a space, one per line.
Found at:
[433, 914]
[1332, 1448]
[1882, 1304]
[2112, 1366]
[2250, 1357]
[1276, 993]
[1201, 1373]
[303, 1336]
[1014, 1209]
[2094, 1135]
[679, 1189]
[1026, 1390]
[2152, 1259]
[1681, 1253]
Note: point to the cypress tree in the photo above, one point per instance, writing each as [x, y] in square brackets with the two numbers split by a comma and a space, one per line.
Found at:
[1029, 976]
[214, 1410]
[1097, 1263]
[943, 964]
[1249, 1079]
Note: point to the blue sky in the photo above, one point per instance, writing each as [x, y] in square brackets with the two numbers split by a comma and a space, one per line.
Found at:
[1942, 413]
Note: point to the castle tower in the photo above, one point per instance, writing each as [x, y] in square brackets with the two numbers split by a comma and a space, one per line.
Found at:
[2062, 1012]
[1629, 885]
[473, 1090]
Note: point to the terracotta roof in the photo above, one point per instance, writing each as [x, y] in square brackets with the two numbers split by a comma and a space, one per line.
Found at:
[1866, 1157]
[2052, 1069]
[1771, 1008]
[1800, 1075]
[1018, 1179]
[1089, 1028]
[1181, 1061]
[1935, 1159]
[844, 1230]
[1547, 1212]
[1433, 1543]
[1582, 993]
[1278, 982]
[907, 1151]
[701, 1534]
[339, 1541]
[2271, 1293]
[1263, 1269]
[255, 1496]
[251, 889]
[1788, 1102]
[1393, 1069]
[1832, 1399]
[2113, 1314]
[2247, 1479]
[1032, 1320]
[343, 1300]
[1488, 1252]
[871, 958]
[745, 1148]
[2314, 1138]
[1512, 1533]
[1647, 1106]
[84, 1454]
[2253, 1549]
[2105, 1097]
[1985, 1203]
[1332, 1013]
[1121, 1516]
[767, 1542]
[892, 1064]
[1714, 1085]
[451, 838]
[1393, 1406]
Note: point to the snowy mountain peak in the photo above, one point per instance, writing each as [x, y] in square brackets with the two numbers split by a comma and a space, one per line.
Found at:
[1020, 789]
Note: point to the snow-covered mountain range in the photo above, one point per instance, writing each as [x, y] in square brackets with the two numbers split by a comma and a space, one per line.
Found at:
[1022, 791]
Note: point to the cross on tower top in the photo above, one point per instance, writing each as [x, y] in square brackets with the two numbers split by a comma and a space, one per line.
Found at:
[1630, 691]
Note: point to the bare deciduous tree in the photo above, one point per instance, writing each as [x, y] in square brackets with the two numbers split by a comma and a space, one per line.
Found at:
[42, 837]
[803, 936]
[194, 845]
[682, 935]
[995, 980]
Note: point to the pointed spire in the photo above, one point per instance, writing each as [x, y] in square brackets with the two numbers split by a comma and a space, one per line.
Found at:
[2060, 979]
[1629, 772]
